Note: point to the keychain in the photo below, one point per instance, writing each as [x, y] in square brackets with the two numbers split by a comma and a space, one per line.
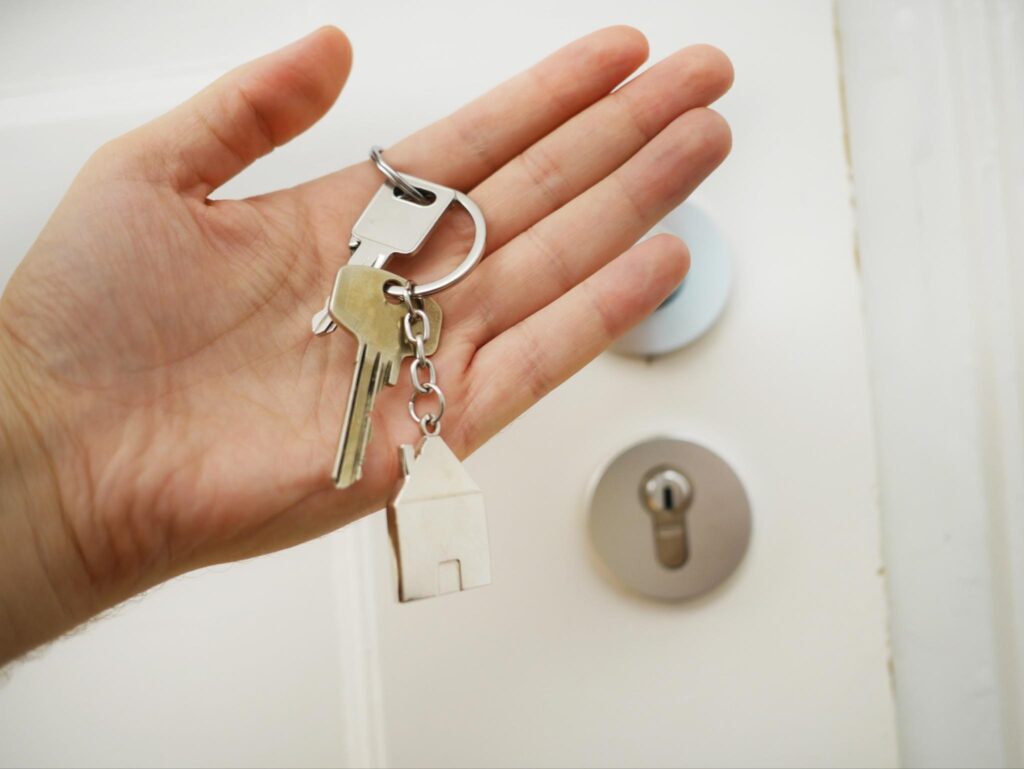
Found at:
[436, 517]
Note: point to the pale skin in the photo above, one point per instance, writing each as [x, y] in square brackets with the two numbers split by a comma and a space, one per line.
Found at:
[163, 405]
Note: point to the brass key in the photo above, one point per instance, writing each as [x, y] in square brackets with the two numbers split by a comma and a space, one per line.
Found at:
[360, 304]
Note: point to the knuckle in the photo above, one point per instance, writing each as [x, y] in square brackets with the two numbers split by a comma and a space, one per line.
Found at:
[545, 173]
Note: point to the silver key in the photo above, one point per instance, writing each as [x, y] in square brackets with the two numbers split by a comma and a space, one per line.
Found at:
[390, 225]
[437, 524]
[359, 303]
[393, 225]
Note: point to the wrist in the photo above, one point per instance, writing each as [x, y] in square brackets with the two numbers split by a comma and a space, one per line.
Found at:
[45, 588]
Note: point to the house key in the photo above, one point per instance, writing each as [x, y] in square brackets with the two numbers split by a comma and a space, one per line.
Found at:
[360, 303]
[391, 224]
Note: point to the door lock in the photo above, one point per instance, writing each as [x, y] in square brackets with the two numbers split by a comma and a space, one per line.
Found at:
[669, 519]
[667, 494]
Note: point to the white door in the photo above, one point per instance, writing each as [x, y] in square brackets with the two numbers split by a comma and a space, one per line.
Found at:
[304, 658]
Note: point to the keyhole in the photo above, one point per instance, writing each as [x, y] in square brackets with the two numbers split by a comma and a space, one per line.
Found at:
[666, 494]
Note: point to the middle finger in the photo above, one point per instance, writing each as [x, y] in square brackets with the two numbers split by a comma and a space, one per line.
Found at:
[576, 155]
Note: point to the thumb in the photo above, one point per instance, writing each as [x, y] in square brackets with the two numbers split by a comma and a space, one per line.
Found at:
[245, 114]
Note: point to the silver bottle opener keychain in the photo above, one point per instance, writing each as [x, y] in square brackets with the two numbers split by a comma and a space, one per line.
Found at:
[436, 516]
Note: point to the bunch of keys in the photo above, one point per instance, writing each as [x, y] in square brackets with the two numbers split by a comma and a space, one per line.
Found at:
[436, 517]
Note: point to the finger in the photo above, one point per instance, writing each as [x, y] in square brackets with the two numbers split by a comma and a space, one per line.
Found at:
[475, 141]
[467, 146]
[575, 156]
[522, 365]
[248, 112]
[577, 239]
[591, 145]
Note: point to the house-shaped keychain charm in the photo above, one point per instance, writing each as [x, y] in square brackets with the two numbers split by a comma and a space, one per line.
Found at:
[437, 524]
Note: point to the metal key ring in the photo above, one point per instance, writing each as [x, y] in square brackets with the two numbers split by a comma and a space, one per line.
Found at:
[397, 179]
[476, 251]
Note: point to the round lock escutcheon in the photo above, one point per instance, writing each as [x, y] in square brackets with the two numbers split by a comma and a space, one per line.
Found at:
[695, 307]
[670, 519]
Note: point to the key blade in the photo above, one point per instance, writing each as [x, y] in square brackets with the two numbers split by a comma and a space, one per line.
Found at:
[370, 253]
[359, 304]
[367, 378]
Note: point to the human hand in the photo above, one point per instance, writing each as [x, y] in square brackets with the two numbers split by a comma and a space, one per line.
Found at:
[166, 405]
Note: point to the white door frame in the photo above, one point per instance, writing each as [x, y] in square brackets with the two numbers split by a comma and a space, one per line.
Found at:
[935, 119]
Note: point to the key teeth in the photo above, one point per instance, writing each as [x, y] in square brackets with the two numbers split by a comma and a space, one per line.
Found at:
[343, 481]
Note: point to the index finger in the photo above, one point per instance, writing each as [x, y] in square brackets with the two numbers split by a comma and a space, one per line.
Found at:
[467, 146]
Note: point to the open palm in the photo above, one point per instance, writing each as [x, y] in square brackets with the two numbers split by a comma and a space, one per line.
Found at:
[191, 417]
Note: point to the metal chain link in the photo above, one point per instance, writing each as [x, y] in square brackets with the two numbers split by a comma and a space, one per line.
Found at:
[416, 329]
